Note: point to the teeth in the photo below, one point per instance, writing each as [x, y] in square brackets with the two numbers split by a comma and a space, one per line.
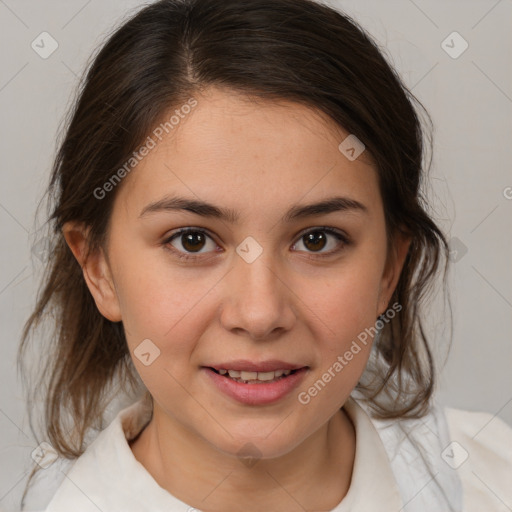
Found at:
[266, 375]
[248, 375]
[254, 376]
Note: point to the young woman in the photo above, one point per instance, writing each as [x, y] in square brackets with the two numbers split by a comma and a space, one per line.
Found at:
[240, 235]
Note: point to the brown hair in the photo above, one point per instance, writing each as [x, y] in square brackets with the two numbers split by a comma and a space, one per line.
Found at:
[295, 50]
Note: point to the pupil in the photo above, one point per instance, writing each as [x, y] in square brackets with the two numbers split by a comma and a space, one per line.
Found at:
[315, 241]
[190, 241]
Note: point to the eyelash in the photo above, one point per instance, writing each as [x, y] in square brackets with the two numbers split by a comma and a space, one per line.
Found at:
[341, 237]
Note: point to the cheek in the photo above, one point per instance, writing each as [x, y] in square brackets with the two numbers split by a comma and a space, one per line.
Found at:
[346, 302]
[344, 312]
[163, 304]
[154, 308]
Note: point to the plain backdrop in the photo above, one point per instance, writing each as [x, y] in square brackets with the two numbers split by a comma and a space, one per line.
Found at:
[468, 94]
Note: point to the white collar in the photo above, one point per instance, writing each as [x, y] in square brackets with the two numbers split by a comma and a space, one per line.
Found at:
[108, 477]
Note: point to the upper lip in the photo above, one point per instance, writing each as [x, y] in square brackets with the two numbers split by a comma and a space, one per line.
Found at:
[251, 366]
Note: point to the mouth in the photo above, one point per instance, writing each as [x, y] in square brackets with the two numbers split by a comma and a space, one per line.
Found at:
[248, 377]
[256, 384]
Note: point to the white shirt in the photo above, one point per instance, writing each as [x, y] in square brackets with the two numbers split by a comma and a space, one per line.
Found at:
[449, 460]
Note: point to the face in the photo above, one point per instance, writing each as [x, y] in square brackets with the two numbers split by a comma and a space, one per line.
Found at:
[255, 282]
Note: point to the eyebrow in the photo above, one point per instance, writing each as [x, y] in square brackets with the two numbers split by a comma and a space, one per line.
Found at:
[204, 209]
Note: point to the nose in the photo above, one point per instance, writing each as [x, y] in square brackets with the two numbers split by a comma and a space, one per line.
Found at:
[257, 301]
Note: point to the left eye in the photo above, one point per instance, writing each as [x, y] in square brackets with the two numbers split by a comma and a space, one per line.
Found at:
[318, 239]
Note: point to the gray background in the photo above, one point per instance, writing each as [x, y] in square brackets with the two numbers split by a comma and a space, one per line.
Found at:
[469, 99]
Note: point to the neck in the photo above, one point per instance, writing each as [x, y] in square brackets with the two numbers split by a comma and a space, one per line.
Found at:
[315, 475]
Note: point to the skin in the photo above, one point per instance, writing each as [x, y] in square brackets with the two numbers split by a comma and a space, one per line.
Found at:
[257, 158]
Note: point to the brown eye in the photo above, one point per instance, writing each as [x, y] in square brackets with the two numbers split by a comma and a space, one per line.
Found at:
[314, 241]
[191, 241]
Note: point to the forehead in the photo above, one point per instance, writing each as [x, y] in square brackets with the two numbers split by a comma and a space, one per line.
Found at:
[245, 152]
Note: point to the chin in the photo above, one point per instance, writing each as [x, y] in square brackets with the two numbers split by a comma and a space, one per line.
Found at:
[267, 442]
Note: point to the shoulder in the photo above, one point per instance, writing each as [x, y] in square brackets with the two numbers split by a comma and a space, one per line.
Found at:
[45, 483]
[64, 481]
[413, 446]
[480, 451]
[460, 459]
[481, 430]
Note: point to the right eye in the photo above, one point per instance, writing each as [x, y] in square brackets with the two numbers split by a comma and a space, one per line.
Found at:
[187, 242]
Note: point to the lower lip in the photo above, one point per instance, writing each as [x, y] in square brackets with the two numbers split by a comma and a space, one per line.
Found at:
[256, 394]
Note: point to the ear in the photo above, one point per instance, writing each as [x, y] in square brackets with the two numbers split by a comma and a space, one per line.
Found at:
[96, 270]
[394, 264]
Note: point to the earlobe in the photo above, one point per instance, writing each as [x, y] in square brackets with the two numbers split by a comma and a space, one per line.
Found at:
[393, 270]
[95, 269]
